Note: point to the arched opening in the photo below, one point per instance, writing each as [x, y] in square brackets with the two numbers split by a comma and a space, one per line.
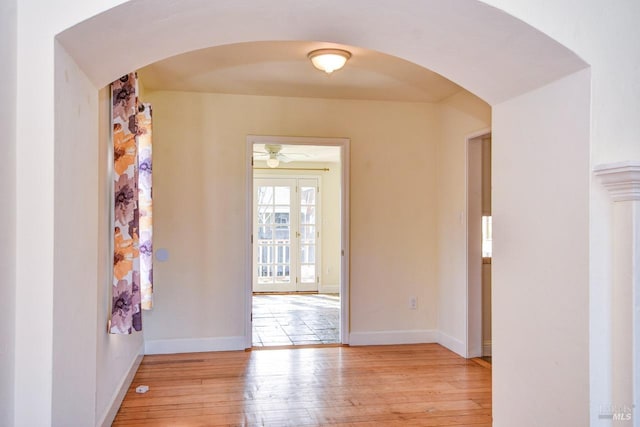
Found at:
[541, 151]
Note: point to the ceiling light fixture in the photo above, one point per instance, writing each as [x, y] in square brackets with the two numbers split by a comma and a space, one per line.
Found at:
[329, 60]
[273, 161]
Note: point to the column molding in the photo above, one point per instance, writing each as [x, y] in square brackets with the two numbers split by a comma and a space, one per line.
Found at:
[622, 181]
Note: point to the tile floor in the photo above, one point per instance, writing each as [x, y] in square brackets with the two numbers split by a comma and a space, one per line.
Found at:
[296, 319]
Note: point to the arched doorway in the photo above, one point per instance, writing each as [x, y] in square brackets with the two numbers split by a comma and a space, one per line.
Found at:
[452, 38]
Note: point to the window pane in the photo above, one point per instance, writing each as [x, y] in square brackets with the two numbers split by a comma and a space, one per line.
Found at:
[283, 232]
[282, 254]
[265, 215]
[307, 215]
[265, 274]
[308, 273]
[283, 195]
[282, 273]
[308, 195]
[265, 254]
[265, 195]
[308, 254]
[282, 215]
[308, 234]
[487, 237]
[264, 233]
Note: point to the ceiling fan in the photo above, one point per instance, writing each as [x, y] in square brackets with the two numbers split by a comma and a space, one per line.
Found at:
[273, 155]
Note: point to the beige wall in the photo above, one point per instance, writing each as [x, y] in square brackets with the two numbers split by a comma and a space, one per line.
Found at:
[330, 196]
[460, 116]
[199, 208]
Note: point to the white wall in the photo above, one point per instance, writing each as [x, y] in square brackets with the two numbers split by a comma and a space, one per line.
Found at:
[199, 205]
[541, 256]
[605, 35]
[74, 384]
[460, 116]
[7, 213]
[35, 246]
[330, 204]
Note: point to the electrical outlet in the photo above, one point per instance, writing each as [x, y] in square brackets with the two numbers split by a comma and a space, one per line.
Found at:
[413, 303]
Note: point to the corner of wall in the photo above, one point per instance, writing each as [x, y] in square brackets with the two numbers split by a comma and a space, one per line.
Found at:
[8, 93]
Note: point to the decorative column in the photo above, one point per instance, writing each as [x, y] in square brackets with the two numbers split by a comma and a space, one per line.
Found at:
[622, 180]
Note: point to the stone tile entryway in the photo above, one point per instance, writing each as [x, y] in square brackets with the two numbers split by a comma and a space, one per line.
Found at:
[286, 319]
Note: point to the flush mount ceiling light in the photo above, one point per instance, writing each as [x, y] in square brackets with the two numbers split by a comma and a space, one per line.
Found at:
[329, 60]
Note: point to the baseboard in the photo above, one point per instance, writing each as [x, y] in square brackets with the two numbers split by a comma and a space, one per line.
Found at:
[328, 289]
[452, 343]
[486, 348]
[194, 345]
[393, 337]
[120, 392]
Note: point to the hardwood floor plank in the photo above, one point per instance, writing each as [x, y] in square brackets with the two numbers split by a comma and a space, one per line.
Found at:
[421, 385]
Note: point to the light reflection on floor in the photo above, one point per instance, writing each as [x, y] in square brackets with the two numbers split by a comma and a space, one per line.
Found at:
[296, 319]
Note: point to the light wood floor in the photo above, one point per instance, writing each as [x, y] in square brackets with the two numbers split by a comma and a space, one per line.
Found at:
[409, 385]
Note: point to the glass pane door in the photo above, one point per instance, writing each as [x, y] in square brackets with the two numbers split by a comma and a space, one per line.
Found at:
[274, 225]
[308, 235]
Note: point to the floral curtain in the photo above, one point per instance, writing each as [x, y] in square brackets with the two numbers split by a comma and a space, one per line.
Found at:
[145, 204]
[132, 268]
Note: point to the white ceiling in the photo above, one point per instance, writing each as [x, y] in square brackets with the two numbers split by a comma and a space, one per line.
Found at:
[282, 69]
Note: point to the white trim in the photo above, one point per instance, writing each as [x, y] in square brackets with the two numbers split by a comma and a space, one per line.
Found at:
[394, 337]
[622, 180]
[118, 396]
[329, 289]
[344, 144]
[452, 344]
[194, 345]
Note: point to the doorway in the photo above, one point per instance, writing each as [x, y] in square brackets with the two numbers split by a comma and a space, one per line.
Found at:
[479, 245]
[297, 292]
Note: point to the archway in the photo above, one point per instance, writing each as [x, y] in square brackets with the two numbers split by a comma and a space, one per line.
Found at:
[495, 56]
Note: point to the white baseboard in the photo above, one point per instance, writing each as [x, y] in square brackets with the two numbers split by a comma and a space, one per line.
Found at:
[328, 289]
[486, 348]
[452, 343]
[393, 337]
[121, 391]
[194, 345]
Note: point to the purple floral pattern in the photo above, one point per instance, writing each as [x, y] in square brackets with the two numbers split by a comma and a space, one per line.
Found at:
[131, 132]
[145, 205]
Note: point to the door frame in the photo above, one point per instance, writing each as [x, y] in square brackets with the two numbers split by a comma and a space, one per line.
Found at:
[473, 294]
[344, 145]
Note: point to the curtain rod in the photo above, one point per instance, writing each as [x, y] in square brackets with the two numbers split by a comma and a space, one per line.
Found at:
[294, 169]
